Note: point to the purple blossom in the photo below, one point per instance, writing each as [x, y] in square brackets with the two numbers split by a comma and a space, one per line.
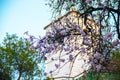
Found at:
[32, 37]
[116, 42]
[87, 1]
[52, 47]
[67, 8]
[67, 48]
[57, 65]
[98, 67]
[52, 59]
[78, 28]
[44, 58]
[45, 74]
[62, 60]
[97, 55]
[95, 60]
[48, 34]
[64, 31]
[44, 51]
[83, 50]
[51, 72]
[100, 4]
[56, 27]
[82, 33]
[71, 37]
[104, 38]
[76, 47]
[71, 57]
[117, 48]
[87, 42]
[107, 36]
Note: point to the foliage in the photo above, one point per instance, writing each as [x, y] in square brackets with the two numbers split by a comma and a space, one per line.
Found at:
[105, 12]
[17, 59]
[115, 65]
[73, 40]
[112, 74]
[66, 39]
[101, 76]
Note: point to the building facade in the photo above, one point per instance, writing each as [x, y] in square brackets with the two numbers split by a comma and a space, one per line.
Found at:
[71, 59]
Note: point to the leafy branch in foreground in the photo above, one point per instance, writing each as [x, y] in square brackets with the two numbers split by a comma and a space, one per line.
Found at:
[17, 59]
[71, 43]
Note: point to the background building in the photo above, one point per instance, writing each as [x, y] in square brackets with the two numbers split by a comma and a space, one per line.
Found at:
[66, 62]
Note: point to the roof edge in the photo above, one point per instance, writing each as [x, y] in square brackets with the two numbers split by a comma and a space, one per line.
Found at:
[61, 18]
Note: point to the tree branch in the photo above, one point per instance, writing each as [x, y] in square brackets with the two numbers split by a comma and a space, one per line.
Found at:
[117, 11]
[91, 9]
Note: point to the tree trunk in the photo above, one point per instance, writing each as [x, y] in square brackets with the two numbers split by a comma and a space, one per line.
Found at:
[118, 23]
[20, 73]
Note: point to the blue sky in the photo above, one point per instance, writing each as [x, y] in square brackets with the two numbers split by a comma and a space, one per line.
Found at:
[18, 16]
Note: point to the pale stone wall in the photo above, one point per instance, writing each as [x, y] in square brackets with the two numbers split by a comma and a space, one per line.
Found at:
[80, 64]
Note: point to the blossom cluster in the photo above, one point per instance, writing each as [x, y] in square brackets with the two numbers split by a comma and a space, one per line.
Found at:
[70, 40]
[108, 43]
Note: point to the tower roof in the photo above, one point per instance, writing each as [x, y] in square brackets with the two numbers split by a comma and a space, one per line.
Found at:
[72, 11]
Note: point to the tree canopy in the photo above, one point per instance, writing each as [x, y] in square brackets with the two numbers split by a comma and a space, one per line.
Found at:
[105, 12]
[17, 59]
